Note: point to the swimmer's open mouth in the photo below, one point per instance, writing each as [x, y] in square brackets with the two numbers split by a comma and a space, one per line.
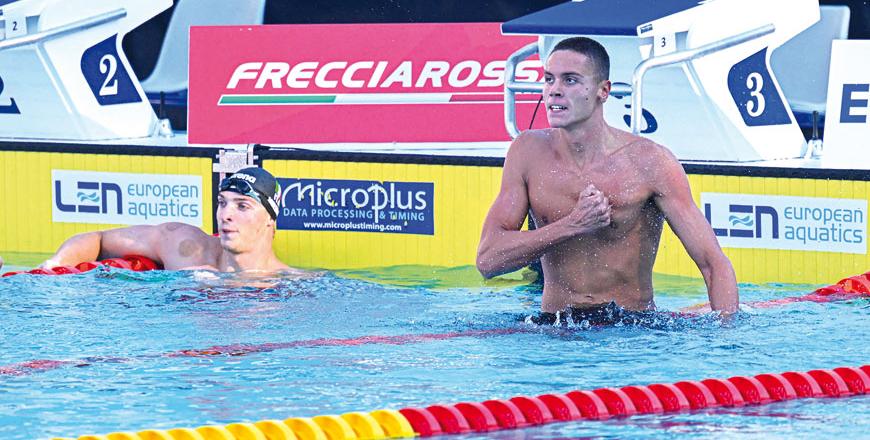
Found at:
[555, 108]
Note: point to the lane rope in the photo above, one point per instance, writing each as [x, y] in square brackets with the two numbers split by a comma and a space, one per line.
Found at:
[854, 287]
[526, 411]
[136, 263]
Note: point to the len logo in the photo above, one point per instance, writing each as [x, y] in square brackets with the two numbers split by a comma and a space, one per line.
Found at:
[746, 221]
[89, 193]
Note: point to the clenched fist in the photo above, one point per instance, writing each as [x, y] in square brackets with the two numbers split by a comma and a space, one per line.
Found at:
[591, 212]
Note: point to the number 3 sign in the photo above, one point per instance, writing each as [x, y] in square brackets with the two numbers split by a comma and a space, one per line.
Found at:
[757, 98]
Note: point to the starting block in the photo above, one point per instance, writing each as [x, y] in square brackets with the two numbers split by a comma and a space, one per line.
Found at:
[64, 75]
[692, 75]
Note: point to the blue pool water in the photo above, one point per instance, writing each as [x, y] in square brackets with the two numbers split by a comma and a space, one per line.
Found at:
[115, 328]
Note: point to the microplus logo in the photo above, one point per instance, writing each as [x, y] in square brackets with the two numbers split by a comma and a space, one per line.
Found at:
[790, 223]
[357, 205]
[126, 199]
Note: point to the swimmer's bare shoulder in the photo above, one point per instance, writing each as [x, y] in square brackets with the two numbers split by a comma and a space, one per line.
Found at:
[532, 146]
[529, 139]
[180, 228]
[661, 165]
[185, 236]
[179, 245]
[646, 154]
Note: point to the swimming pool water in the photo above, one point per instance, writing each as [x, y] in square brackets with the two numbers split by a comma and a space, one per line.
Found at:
[298, 352]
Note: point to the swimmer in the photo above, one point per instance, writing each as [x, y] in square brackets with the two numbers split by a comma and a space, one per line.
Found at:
[247, 209]
[1, 262]
[598, 197]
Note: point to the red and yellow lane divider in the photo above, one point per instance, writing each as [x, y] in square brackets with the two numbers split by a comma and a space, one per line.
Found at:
[381, 424]
[135, 263]
[525, 411]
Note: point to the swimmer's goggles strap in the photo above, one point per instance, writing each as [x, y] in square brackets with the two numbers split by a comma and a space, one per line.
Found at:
[243, 187]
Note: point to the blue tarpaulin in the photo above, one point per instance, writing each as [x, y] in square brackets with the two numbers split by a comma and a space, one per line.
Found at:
[596, 17]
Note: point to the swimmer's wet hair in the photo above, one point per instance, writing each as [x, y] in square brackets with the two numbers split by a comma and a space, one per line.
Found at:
[592, 49]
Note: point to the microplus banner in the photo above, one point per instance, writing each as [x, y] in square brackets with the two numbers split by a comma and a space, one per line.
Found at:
[357, 205]
[125, 198]
[785, 222]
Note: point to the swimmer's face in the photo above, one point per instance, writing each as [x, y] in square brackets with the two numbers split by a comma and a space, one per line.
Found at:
[572, 90]
[242, 222]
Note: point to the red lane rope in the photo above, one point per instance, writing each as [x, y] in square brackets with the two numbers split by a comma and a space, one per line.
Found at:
[243, 349]
[38, 365]
[847, 288]
[33, 366]
[135, 263]
[604, 403]
[853, 287]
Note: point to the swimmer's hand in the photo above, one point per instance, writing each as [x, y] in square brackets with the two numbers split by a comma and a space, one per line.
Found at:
[697, 309]
[51, 263]
[591, 212]
[704, 308]
[1, 262]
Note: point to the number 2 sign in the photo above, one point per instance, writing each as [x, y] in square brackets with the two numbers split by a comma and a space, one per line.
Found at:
[106, 75]
[12, 107]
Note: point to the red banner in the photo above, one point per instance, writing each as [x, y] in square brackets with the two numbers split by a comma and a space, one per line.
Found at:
[291, 84]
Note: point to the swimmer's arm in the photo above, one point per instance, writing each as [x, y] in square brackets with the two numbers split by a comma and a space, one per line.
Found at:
[674, 198]
[503, 246]
[76, 249]
[91, 246]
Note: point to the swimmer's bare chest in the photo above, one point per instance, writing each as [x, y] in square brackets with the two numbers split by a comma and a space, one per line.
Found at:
[613, 263]
[554, 188]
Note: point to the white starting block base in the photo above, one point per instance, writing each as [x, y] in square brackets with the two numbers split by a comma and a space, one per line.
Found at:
[64, 75]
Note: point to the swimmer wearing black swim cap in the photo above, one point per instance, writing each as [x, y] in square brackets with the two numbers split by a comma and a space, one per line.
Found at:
[248, 203]
[258, 184]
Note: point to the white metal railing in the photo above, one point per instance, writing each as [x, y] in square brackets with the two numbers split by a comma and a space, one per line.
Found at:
[635, 90]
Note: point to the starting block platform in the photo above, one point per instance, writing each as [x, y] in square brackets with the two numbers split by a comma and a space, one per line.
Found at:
[686, 72]
[64, 75]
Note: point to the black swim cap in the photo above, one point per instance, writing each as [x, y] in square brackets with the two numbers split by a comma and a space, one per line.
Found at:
[256, 183]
